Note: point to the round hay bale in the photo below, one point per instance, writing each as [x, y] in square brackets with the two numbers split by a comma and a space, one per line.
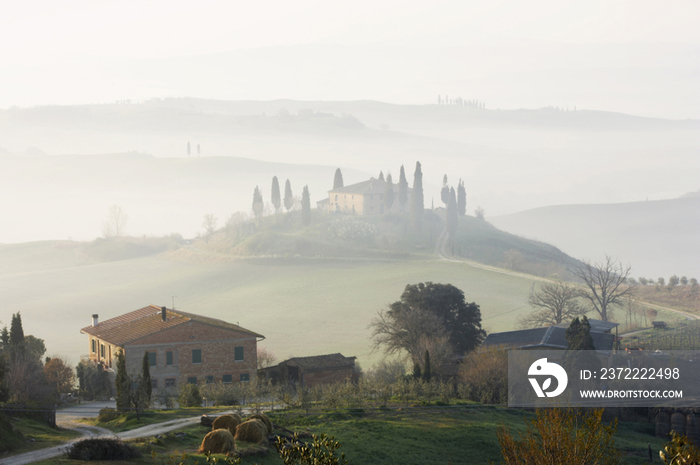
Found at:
[219, 441]
[264, 419]
[238, 418]
[663, 425]
[692, 427]
[226, 422]
[253, 431]
[678, 423]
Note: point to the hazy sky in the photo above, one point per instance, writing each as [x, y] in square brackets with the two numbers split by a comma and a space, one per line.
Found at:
[396, 51]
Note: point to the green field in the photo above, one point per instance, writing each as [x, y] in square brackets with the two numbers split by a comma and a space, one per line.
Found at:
[428, 435]
[302, 306]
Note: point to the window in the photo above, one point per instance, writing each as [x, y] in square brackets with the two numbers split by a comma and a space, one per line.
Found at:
[196, 355]
[210, 379]
[245, 377]
[152, 359]
[94, 346]
[227, 379]
[102, 350]
[192, 380]
[154, 383]
[238, 354]
[169, 382]
[169, 358]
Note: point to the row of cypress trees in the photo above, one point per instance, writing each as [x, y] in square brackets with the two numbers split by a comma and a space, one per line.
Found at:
[276, 199]
[133, 392]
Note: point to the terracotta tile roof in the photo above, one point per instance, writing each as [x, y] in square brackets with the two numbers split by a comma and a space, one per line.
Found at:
[316, 362]
[145, 321]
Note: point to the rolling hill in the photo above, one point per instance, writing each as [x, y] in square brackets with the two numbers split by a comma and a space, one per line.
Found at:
[510, 160]
[307, 291]
[658, 238]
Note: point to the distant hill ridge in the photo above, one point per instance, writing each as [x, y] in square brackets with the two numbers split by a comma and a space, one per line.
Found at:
[220, 115]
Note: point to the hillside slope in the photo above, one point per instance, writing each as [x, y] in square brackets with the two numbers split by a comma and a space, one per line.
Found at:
[658, 238]
[386, 237]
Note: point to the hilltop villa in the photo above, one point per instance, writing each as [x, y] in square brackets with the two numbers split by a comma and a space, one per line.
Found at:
[363, 198]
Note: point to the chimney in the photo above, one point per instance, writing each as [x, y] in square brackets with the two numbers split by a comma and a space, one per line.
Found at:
[95, 319]
[162, 313]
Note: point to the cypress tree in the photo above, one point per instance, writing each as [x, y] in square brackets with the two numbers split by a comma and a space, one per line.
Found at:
[381, 176]
[417, 198]
[461, 199]
[389, 193]
[580, 353]
[288, 198]
[578, 335]
[452, 218]
[146, 388]
[426, 366]
[306, 206]
[257, 202]
[337, 179]
[275, 194]
[403, 190]
[16, 331]
[122, 382]
[445, 191]
[5, 338]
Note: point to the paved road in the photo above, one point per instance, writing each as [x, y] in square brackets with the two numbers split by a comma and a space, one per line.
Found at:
[66, 418]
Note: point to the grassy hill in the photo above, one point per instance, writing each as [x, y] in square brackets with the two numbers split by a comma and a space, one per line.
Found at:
[308, 290]
[388, 236]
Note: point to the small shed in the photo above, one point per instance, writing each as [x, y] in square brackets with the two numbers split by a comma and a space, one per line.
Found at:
[312, 371]
[659, 324]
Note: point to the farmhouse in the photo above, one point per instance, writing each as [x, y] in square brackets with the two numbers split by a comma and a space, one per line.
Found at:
[363, 198]
[312, 371]
[182, 347]
[552, 337]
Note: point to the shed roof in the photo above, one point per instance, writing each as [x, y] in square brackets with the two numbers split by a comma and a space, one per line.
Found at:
[316, 362]
[597, 326]
[551, 337]
[146, 321]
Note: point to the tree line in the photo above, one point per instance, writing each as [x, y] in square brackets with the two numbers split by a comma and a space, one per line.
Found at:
[459, 101]
[26, 378]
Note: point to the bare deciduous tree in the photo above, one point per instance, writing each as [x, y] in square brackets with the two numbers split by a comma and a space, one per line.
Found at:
[265, 358]
[406, 329]
[605, 285]
[209, 223]
[116, 222]
[553, 304]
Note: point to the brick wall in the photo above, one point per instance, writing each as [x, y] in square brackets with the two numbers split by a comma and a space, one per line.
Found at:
[217, 347]
[110, 351]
